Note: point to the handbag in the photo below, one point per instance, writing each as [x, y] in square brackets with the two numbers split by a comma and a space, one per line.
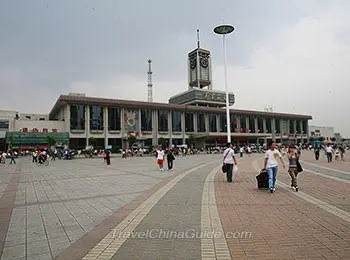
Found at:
[299, 168]
[224, 166]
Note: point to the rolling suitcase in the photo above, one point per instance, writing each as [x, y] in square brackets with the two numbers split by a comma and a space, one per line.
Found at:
[262, 179]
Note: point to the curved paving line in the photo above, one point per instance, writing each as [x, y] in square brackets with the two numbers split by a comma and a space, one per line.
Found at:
[212, 247]
[326, 168]
[319, 203]
[110, 244]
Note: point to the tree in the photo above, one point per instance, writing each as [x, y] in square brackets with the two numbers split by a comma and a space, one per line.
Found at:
[161, 141]
[191, 140]
[131, 140]
[92, 141]
[51, 141]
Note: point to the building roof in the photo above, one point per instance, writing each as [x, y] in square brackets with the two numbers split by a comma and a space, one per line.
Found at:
[70, 99]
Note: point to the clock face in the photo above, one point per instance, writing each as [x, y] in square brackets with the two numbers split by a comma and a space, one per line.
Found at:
[204, 62]
[193, 63]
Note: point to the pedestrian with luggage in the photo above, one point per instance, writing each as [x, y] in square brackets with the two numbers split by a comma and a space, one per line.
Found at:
[229, 161]
[293, 158]
[271, 165]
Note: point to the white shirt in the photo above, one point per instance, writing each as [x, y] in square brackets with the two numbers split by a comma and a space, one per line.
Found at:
[272, 158]
[241, 150]
[329, 149]
[229, 153]
[160, 155]
[249, 149]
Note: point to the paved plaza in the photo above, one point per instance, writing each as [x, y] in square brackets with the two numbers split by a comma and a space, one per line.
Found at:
[84, 209]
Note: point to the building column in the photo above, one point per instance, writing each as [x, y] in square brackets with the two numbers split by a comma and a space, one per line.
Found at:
[195, 125]
[256, 127]
[67, 118]
[155, 127]
[87, 123]
[247, 123]
[170, 128]
[105, 125]
[206, 120]
[273, 129]
[183, 128]
[122, 126]
[217, 123]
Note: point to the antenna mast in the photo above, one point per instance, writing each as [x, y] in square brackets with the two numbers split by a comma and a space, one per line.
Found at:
[150, 94]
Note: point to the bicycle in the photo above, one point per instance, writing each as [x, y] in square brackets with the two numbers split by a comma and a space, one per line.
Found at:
[45, 162]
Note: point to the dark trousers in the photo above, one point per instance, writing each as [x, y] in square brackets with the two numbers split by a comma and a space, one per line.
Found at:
[229, 172]
[170, 164]
[241, 154]
[329, 157]
[12, 160]
[108, 160]
[317, 155]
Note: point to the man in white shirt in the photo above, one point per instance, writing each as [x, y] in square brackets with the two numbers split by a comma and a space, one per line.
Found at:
[271, 165]
[160, 158]
[329, 151]
[230, 161]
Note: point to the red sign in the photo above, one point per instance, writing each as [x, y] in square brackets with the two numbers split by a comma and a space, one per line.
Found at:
[25, 129]
[54, 130]
[35, 130]
[45, 130]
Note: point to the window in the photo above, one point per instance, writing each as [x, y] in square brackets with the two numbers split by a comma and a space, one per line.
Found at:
[278, 125]
[252, 124]
[163, 120]
[146, 120]
[222, 123]
[212, 123]
[96, 118]
[201, 123]
[304, 126]
[114, 115]
[260, 124]
[77, 117]
[189, 125]
[269, 125]
[243, 124]
[176, 121]
[291, 126]
[298, 126]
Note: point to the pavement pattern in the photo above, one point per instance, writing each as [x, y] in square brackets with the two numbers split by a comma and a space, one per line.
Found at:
[84, 209]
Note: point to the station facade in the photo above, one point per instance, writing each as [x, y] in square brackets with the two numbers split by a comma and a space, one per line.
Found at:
[110, 121]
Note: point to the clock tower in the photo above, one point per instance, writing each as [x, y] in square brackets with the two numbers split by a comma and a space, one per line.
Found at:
[199, 68]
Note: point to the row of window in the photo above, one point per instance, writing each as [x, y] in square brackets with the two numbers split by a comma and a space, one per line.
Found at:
[215, 123]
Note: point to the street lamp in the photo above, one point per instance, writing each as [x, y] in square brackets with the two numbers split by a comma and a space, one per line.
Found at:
[223, 30]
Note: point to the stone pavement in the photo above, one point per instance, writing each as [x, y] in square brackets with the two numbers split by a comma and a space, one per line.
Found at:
[45, 210]
[83, 209]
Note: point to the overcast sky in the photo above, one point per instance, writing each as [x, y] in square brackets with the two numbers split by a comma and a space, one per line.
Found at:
[293, 55]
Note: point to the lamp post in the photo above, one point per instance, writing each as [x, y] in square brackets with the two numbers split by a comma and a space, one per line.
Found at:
[223, 30]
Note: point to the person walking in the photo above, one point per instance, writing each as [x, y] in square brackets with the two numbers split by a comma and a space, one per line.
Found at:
[12, 155]
[241, 150]
[170, 159]
[229, 161]
[317, 152]
[160, 158]
[108, 157]
[271, 165]
[293, 158]
[329, 152]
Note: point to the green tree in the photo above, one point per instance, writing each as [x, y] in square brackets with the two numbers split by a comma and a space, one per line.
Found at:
[92, 141]
[131, 140]
[161, 141]
[191, 140]
[51, 141]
